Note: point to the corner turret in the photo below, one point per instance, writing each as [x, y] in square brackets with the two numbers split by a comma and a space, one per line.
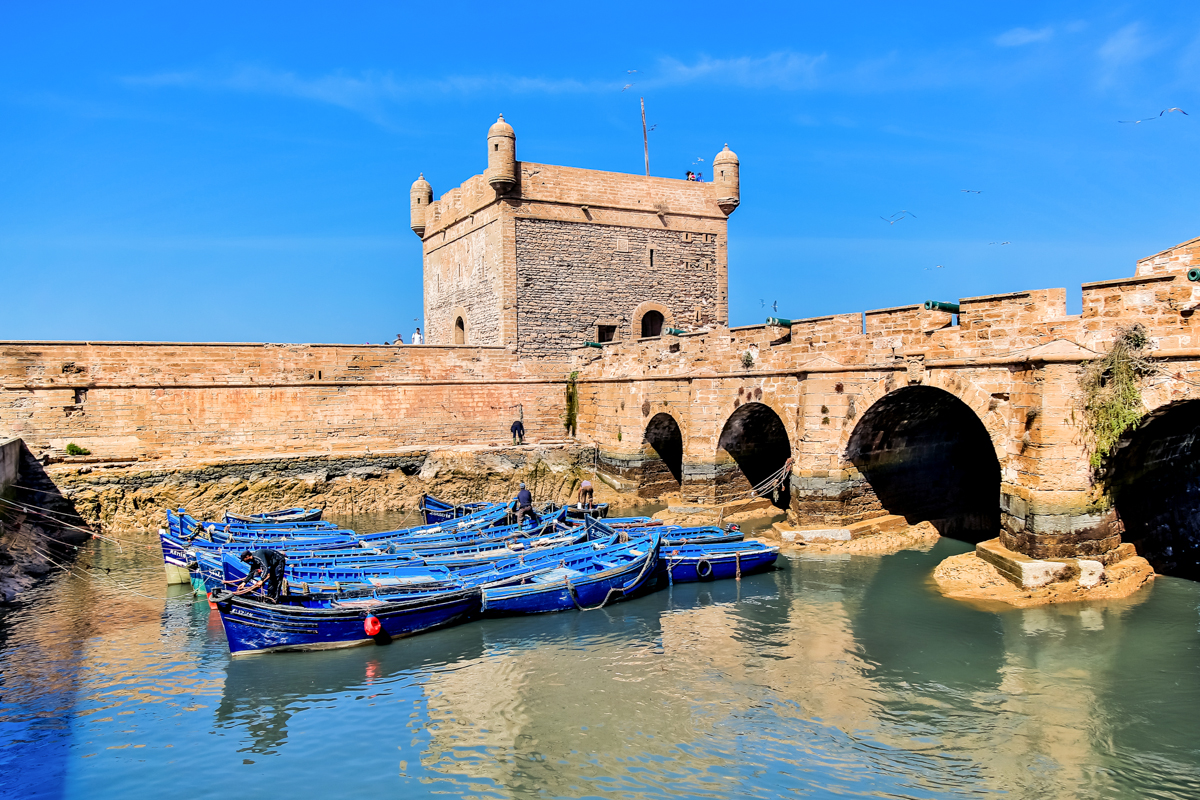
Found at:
[420, 196]
[502, 156]
[727, 180]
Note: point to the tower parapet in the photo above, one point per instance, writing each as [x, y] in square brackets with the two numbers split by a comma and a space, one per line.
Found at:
[727, 180]
[502, 156]
[420, 196]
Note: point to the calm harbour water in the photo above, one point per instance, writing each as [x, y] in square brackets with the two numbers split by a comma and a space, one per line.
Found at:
[830, 676]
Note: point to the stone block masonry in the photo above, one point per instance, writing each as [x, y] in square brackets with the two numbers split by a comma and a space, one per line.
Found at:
[148, 401]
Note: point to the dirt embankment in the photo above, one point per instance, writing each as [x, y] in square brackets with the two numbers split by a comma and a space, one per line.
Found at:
[132, 497]
[969, 577]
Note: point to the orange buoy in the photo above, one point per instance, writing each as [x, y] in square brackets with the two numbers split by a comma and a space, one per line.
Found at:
[372, 625]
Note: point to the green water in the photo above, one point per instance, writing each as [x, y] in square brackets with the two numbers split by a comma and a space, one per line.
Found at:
[834, 676]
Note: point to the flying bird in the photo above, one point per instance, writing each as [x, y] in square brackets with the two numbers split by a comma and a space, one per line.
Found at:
[1147, 119]
[652, 127]
[774, 305]
[1000, 243]
[972, 191]
[899, 215]
[630, 71]
[627, 86]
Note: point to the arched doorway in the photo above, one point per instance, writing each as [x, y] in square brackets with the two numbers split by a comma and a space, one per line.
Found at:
[753, 446]
[652, 324]
[662, 469]
[926, 456]
[1154, 479]
[460, 331]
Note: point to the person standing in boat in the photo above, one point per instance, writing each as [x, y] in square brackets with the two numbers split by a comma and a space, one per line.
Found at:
[417, 336]
[518, 432]
[587, 495]
[524, 504]
[267, 567]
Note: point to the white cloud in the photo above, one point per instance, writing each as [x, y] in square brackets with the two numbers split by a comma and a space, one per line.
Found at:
[1126, 46]
[1021, 36]
[778, 71]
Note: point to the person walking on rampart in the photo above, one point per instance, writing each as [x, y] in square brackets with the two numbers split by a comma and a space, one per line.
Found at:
[518, 432]
[399, 339]
[524, 505]
[417, 336]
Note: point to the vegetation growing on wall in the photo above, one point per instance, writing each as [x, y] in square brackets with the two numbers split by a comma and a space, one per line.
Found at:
[1112, 397]
[75, 450]
[570, 419]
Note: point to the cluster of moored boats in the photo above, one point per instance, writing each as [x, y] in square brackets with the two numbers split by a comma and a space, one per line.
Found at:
[344, 588]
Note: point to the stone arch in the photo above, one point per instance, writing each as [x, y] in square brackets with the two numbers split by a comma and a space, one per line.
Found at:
[662, 453]
[1154, 480]
[965, 390]
[635, 328]
[753, 445]
[926, 455]
[460, 335]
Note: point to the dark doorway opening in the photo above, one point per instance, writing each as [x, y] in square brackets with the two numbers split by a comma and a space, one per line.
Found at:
[927, 456]
[1154, 478]
[756, 440]
[460, 331]
[652, 324]
[606, 333]
[662, 470]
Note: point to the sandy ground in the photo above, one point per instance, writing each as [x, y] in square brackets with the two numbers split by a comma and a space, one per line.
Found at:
[969, 577]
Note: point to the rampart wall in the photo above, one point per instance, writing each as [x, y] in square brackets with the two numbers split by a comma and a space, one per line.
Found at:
[161, 400]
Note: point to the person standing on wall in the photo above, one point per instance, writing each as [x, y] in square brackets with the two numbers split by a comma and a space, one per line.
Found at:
[399, 339]
[416, 336]
[518, 432]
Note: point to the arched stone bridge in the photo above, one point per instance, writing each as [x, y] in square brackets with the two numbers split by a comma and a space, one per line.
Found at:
[972, 421]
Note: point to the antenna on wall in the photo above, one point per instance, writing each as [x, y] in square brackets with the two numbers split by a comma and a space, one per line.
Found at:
[645, 138]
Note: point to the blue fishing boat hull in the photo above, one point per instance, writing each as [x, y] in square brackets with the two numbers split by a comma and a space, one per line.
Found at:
[711, 563]
[574, 589]
[254, 627]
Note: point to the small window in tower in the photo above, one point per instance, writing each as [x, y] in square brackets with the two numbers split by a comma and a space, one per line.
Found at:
[496, 146]
[652, 324]
[722, 174]
[460, 331]
[652, 262]
[606, 333]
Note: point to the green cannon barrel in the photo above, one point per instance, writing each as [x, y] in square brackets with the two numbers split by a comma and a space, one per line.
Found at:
[592, 344]
[674, 331]
[938, 305]
[780, 321]
[1194, 274]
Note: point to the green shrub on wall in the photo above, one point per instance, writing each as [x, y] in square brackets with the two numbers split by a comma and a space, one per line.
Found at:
[1112, 397]
[75, 450]
[571, 417]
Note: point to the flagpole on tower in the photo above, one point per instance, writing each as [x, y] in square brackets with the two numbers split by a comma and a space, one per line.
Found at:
[645, 138]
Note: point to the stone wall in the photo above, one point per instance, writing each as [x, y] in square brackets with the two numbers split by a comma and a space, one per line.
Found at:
[464, 277]
[10, 459]
[125, 400]
[576, 276]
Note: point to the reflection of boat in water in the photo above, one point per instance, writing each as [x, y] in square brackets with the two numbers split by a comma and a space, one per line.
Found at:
[261, 698]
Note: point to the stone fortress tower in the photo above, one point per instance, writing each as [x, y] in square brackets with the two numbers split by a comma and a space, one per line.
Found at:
[541, 259]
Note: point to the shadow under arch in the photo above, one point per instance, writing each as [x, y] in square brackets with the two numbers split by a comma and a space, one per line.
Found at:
[1154, 480]
[753, 446]
[927, 456]
[662, 469]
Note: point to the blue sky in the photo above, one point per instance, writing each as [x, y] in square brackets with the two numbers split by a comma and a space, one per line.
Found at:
[240, 172]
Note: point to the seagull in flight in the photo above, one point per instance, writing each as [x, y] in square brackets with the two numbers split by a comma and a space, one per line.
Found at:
[627, 86]
[899, 215]
[972, 191]
[774, 305]
[937, 266]
[652, 127]
[1147, 119]
[630, 71]
[1000, 243]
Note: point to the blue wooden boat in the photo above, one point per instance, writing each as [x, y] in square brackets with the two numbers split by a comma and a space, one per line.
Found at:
[282, 515]
[673, 535]
[595, 511]
[606, 574]
[322, 623]
[710, 562]
[436, 510]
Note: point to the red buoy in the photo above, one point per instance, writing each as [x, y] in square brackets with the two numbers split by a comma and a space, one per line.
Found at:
[372, 625]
